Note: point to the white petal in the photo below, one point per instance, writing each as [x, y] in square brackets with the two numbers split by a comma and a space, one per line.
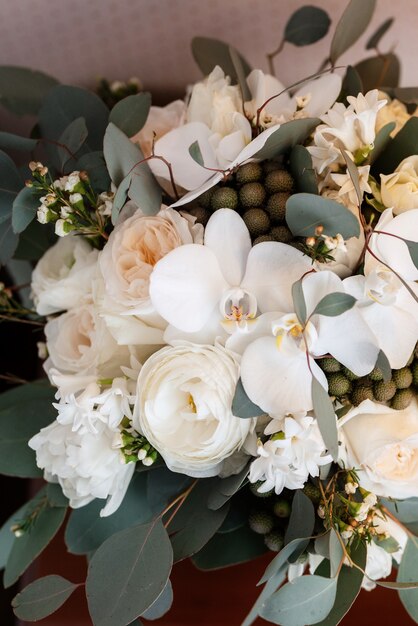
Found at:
[208, 335]
[174, 147]
[272, 268]
[186, 285]
[324, 91]
[227, 236]
[115, 499]
[259, 327]
[276, 383]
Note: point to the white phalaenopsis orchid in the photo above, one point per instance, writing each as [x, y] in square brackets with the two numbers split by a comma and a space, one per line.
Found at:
[222, 285]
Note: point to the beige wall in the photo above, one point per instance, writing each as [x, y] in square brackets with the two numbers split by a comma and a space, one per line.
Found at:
[79, 40]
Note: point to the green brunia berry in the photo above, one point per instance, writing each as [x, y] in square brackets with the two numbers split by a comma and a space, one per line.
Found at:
[282, 508]
[338, 385]
[360, 393]
[329, 365]
[384, 391]
[261, 522]
[376, 374]
[274, 540]
[249, 173]
[257, 221]
[278, 180]
[402, 399]
[313, 493]
[402, 378]
[224, 198]
[276, 206]
[252, 195]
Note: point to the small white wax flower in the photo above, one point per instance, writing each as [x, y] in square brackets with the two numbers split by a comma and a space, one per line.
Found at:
[71, 182]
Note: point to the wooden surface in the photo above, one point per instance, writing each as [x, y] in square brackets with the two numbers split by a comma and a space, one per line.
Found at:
[218, 598]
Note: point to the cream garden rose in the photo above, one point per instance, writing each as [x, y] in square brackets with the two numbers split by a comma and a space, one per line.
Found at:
[183, 407]
[63, 275]
[382, 444]
[160, 121]
[400, 189]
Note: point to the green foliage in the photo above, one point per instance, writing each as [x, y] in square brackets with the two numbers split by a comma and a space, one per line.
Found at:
[325, 415]
[334, 304]
[374, 40]
[24, 209]
[72, 139]
[44, 521]
[128, 171]
[209, 52]
[287, 136]
[8, 141]
[351, 26]
[225, 488]
[128, 573]
[242, 405]
[403, 145]
[296, 546]
[161, 605]
[305, 212]
[354, 175]
[42, 597]
[130, 114]
[163, 486]
[352, 84]
[377, 72]
[413, 251]
[301, 522]
[10, 185]
[196, 154]
[299, 302]
[302, 170]
[406, 511]
[226, 549]
[95, 165]
[271, 586]
[306, 26]
[22, 90]
[7, 536]
[34, 241]
[23, 412]
[408, 572]
[381, 141]
[86, 530]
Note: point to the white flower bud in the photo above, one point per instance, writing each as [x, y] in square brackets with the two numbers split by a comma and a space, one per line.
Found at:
[75, 198]
[43, 214]
[142, 454]
[61, 228]
[72, 181]
[350, 488]
[148, 461]
[42, 350]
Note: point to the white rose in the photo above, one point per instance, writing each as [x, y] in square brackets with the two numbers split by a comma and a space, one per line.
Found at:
[391, 250]
[79, 342]
[400, 189]
[184, 399]
[160, 121]
[126, 263]
[84, 463]
[63, 275]
[393, 111]
[382, 444]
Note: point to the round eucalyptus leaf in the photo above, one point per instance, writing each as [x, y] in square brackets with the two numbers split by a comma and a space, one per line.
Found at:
[307, 25]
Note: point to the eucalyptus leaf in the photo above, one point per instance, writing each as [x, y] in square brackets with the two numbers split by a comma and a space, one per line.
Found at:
[225, 488]
[334, 304]
[86, 530]
[23, 412]
[302, 170]
[22, 90]
[280, 560]
[406, 511]
[24, 209]
[381, 141]
[306, 26]
[9, 141]
[348, 586]
[379, 72]
[7, 536]
[27, 547]
[42, 597]
[325, 415]
[95, 166]
[163, 486]
[299, 302]
[351, 26]
[240, 71]
[352, 84]
[242, 405]
[374, 40]
[10, 184]
[8, 242]
[130, 114]
[305, 601]
[401, 146]
[413, 251]
[301, 522]
[286, 137]
[226, 549]
[196, 154]
[34, 241]
[270, 587]
[336, 553]
[55, 495]
[71, 140]
[139, 560]
[208, 53]
[408, 571]
[161, 605]
[354, 175]
[305, 212]
[383, 364]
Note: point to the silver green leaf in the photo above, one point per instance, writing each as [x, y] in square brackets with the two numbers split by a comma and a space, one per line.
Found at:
[161, 605]
[325, 415]
[305, 601]
[408, 572]
[130, 114]
[354, 175]
[128, 573]
[299, 301]
[42, 597]
[336, 553]
[301, 522]
[270, 587]
[302, 170]
[22, 90]
[374, 40]
[378, 71]
[281, 559]
[334, 304]
[208, 53]
[225, 488]
[196, 154]
[286, 137]
[401, 146]
[242, 405]
[71, 140]
[24, 209]
[306, 26]
[383, 364]
[8, 141]
[381, 141]
[351, 26]
[306, 211]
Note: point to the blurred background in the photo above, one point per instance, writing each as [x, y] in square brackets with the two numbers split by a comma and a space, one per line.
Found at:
[80, 42]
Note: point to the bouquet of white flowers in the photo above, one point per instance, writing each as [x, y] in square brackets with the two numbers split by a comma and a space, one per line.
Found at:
[226, 289]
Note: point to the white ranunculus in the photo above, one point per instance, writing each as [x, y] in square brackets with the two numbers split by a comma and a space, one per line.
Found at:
[382, 444]
[79, 342]
[160, 121]
[386, 244]
[400, 189]
[184, 399]
[126, 263]
[63, 275]
[84, 463]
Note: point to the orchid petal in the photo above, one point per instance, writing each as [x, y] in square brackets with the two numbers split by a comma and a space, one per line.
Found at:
[174, 147]
[277, 383]
[263, 87]
[323, 91]
[227, 236]
[272, 268]
[185, 286]
[259, 327]
[208, 334]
